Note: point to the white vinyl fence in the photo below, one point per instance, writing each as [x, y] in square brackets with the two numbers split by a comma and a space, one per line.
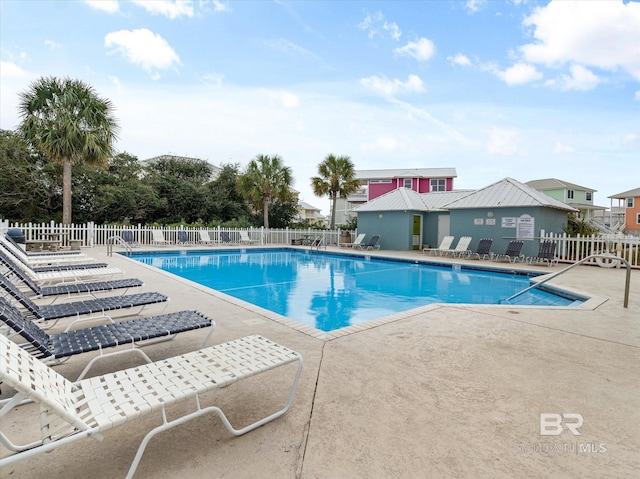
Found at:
[572, 249]
[568, 249]
[90, 234]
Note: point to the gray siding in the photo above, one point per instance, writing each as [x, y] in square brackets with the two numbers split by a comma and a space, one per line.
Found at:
[395, 228]
[463, 224]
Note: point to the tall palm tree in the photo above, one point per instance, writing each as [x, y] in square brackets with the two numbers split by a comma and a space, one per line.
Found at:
[264, 180]
[69, 123]
[336, 177]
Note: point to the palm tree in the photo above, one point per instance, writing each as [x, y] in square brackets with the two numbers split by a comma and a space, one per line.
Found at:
[69, 123]
[264, 180]
[336, 177]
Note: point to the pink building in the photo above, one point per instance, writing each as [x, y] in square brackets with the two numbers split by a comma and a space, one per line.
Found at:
[376, 183]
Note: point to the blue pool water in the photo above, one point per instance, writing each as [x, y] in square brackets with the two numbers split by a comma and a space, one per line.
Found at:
[332, 291]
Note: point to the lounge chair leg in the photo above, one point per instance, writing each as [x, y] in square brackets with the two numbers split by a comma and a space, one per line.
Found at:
[166, 425]
[133, 349]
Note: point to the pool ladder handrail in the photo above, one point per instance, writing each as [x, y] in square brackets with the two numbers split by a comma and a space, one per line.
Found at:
[593, 256]
[117, 239]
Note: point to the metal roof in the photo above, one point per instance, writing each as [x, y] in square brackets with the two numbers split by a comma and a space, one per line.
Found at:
[403, 199]
[307, 206]
[436, 201]
[406, 173]
[399, 199]
[554, 184]
[627, 194]
[508, 193]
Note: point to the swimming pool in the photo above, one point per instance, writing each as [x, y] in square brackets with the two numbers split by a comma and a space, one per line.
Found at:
[331, 291]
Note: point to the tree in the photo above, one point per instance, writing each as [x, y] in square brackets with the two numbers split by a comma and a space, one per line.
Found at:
[70, 124]
[24, 182]
[266, 179]
[224, 201]
[336, 177]
[116, 194]
[180, 185]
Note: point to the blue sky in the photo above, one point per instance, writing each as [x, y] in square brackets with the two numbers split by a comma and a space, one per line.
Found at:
[496, 89]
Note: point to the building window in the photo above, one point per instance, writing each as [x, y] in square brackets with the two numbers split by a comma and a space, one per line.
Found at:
[407, 183]
[638, 219]
[379, 181]
[629, 202]
[438, 185]
[569, 194]
[589, 196]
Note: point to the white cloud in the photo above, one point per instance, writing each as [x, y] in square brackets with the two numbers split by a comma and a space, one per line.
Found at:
[375, 25]
[369, 22]
[285, 46]
[52, 45]
[475, 5]
[393, 29]
[561, 148]
[218, 6]
[109, 6]
[519, 74]
[503, 142]
[602, 34]
[631, 141]
[143, 47]
[212, 79]
[637, 95]
[385, 144]
[169, 8]
[284, 98]
[580, 79]
[460, 60]
[11, 70]
[390, 87]
[422, 49]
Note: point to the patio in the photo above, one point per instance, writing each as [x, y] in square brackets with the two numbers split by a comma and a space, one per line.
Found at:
[444, 391]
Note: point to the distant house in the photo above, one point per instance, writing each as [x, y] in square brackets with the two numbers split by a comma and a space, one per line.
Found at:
[310, 214]
[631, 206]
[503, 211]
[376, 183]
[580, 197]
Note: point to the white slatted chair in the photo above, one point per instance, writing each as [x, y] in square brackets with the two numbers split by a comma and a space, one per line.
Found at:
[462, 248]
[244, 238]
[445, 245]
[73, 411]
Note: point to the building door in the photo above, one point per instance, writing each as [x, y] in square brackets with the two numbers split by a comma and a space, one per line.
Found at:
[443, 227]
[417, 232]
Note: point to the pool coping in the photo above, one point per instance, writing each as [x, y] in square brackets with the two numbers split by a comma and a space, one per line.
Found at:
[590, 302]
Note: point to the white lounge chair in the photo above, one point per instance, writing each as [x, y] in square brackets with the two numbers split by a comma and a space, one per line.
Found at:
[42, 259]
[356, 243]
[445, 245]
[158, 238]
[244, 238]
[71, 273]
[70, 411]
[204, 237]
[462, 248]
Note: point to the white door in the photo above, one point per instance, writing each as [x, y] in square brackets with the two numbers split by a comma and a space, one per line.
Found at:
[443, 227]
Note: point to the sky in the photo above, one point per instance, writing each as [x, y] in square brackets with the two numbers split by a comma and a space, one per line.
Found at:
[495, 89]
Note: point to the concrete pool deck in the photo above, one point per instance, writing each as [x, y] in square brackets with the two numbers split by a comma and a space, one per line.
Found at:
[443, 391]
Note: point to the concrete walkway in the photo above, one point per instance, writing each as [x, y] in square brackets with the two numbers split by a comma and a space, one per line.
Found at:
[439, 392]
